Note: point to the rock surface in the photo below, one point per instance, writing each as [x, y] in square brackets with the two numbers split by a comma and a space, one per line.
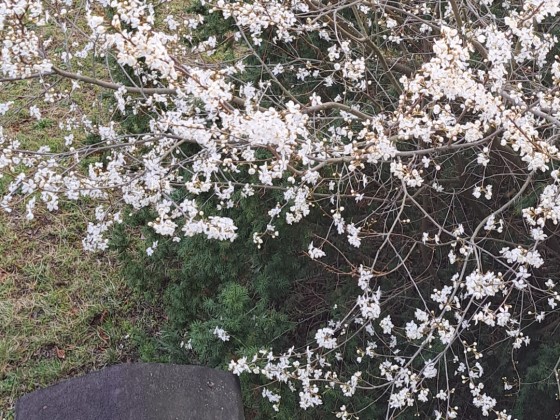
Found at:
[142, 391]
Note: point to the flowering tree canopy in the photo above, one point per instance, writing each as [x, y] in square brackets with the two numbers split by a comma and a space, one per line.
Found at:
[423, 135]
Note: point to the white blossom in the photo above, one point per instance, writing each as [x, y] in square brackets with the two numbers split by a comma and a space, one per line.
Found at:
[221, 334]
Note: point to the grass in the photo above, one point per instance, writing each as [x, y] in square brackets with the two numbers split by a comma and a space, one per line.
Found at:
[62, 312]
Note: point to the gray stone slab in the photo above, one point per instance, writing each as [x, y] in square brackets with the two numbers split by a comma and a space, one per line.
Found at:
[138, 391]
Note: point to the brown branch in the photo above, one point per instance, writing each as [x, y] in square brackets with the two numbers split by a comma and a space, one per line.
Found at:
[113, 86]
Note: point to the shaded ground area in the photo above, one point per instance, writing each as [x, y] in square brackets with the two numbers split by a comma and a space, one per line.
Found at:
[146, 391]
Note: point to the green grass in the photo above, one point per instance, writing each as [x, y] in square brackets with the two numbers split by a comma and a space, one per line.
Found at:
[62, 312]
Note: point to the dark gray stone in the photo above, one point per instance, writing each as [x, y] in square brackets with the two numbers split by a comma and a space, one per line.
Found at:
[141, 391]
